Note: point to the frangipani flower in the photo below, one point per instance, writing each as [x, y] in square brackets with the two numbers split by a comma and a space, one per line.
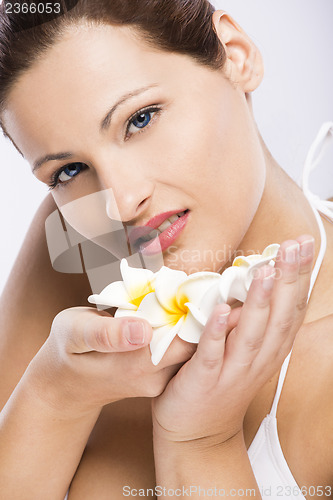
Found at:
[168, 309]
[234, 282]
[161, 298]
[126, 294]
[175, 303]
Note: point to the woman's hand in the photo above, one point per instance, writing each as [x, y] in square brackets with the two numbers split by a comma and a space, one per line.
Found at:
[237, 353]
[91, 359]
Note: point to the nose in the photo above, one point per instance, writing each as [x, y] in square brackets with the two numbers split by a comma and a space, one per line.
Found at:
[127, 196]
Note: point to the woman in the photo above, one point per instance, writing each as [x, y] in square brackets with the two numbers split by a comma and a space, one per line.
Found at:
[158, 119]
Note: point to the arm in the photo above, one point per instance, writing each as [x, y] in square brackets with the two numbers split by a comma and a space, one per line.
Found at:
[198, 420]
[34, 294]
[32, 297]
[41, 445]
[48, 418]
[201, 468]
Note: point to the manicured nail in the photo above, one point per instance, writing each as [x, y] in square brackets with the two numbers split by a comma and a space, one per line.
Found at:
[268, 282]
[307, 248]
[291, 254]
[222, 319]
[134, 332]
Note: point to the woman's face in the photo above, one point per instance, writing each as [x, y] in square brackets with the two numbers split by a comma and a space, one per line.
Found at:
[181, 138]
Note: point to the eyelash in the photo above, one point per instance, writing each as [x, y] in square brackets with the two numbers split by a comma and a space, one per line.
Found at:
[54, 181]
[148, 109]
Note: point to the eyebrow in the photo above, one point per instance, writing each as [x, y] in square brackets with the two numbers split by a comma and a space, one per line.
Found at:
[107, 120]
[105, 123]
[58, 156]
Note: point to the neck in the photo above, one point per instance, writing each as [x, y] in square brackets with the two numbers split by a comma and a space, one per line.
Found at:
[285, 213]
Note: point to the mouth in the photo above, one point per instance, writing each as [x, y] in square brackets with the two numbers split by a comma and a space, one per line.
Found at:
[159, 233]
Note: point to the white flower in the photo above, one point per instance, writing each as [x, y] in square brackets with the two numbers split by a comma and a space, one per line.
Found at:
[168, 309]
[126, 294]
[177, 304]
[234, 282]
[162, 299]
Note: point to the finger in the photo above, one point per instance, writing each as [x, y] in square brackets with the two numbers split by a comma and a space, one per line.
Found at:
[246, 340]
[282, 326]
[89, 330]
[234, 317]
[178, 353]
[208, 358]
[306, 256]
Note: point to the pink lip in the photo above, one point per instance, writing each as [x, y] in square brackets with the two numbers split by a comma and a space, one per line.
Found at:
[136, 233]
[166, 238]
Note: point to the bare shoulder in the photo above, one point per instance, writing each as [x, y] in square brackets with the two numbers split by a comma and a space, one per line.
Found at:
[33, 296]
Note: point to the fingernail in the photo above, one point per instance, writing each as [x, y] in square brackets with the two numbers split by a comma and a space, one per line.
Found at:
[134, 332]
[268, 282]
[291, 254]
[307, 248]
[222, 319]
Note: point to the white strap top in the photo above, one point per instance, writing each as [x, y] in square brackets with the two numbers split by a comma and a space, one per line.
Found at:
[269, 465]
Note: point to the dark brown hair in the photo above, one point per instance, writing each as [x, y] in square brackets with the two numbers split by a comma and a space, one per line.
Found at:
[182, 26]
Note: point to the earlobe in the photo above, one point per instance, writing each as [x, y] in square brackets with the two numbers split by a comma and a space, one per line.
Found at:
[244, 64]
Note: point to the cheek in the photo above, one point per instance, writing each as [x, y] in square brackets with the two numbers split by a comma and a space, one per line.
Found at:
[221, 168]
[214, 157]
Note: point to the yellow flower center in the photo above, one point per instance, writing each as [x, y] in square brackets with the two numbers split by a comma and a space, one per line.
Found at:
[139, 292]
[178, 308]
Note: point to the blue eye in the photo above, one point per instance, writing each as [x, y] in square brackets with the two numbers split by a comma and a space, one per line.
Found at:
[67, 173]
[141, 119]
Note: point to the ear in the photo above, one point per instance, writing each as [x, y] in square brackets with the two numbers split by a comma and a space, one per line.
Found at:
[244, 64]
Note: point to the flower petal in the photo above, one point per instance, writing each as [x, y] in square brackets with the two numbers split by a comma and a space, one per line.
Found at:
[210, 299]
[232, 284]
[267, 260]
[138, 282]
[197, 313]
[241, 260]
[191, 329]
[162, 338]
[152, 311]
[166, 286]
[195, 287]
[121, 313]
[271, 251]
[114, 295]
[268, 253]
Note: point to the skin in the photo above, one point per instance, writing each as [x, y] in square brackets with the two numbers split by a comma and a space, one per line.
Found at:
[144, 173]
[237, 215]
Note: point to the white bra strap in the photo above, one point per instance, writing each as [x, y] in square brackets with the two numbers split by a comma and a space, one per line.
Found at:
[313, 158]
[282, 376]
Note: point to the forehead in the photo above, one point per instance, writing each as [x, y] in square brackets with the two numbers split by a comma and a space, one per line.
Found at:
[88, 69]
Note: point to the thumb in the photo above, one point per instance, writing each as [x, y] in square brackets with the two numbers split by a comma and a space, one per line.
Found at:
[116, 335]
[89, 330]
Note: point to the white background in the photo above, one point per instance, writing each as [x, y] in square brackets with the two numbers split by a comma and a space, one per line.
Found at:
[295, 98]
